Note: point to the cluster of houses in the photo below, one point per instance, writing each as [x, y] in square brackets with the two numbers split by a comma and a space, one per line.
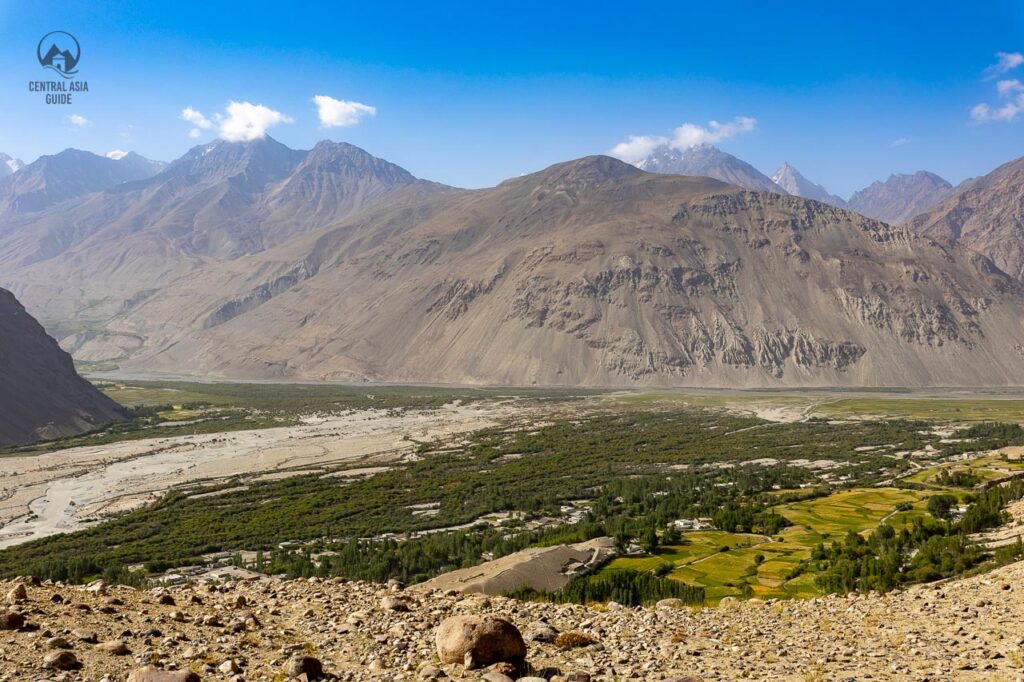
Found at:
[693, 524]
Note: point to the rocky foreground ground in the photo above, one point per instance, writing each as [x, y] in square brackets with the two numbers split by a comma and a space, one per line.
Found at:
[971, 629]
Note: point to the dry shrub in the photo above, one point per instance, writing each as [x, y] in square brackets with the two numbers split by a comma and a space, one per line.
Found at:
[574, 640]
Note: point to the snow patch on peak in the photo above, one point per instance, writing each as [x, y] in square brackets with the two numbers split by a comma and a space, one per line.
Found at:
[116, 154]
[11, 164]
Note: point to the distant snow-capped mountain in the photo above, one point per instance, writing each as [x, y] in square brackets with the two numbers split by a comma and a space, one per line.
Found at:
[791, 180]
[9, 165]
[708, 161]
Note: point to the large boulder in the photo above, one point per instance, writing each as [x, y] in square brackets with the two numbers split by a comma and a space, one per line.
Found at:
[478, 641]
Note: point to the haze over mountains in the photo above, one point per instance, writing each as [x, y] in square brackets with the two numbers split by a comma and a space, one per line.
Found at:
[43, 396]
[256, 260]
[72, 173]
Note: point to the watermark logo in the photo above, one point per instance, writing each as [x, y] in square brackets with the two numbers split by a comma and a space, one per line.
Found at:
[60, 51]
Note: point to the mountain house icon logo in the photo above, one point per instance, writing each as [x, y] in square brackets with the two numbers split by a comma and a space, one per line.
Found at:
[59, 50]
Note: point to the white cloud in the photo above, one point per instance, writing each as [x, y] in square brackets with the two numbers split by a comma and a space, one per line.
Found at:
[1008, 87]
[196, 118]
[1007, 112]
[1009, 91]
[339, 113]
[691, 135]
[1011, 95]
[637, 147]
[116, 154]
[243, 121]
[899, 142]
[246, 121]
[1006, 61]
[200, 122]
[79, 121]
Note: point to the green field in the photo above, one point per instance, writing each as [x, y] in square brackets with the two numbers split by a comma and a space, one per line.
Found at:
[736, 572]
[987, 468]
[961, 408]
[856, 510]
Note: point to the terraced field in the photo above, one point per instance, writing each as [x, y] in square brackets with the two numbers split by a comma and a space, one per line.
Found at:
[856, 510]
[748, 565]
[990, 467]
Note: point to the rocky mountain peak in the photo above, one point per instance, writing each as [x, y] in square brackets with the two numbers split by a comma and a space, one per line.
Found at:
[328, 156]
[587, 172]
[901, 196]
[9, 165]
[258, 160]
[792, 181]
[985, 214]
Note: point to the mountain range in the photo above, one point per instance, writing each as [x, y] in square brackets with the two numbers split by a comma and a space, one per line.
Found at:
[42, 396]
[52, 180]
[106, 251]
[895, 200]
[254, 260]
[707, 161]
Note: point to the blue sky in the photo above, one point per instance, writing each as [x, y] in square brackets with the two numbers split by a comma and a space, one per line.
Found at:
[469, 95]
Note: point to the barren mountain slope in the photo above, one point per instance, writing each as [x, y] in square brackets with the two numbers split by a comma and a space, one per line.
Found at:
[41, 395]
[218, 202]
[594, 272]
[986, 215]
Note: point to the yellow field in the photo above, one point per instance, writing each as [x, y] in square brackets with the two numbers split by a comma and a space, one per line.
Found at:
[727, 564]
[857, 510]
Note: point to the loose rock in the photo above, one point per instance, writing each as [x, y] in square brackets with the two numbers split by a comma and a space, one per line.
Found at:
[60, 660]
[151, 674]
